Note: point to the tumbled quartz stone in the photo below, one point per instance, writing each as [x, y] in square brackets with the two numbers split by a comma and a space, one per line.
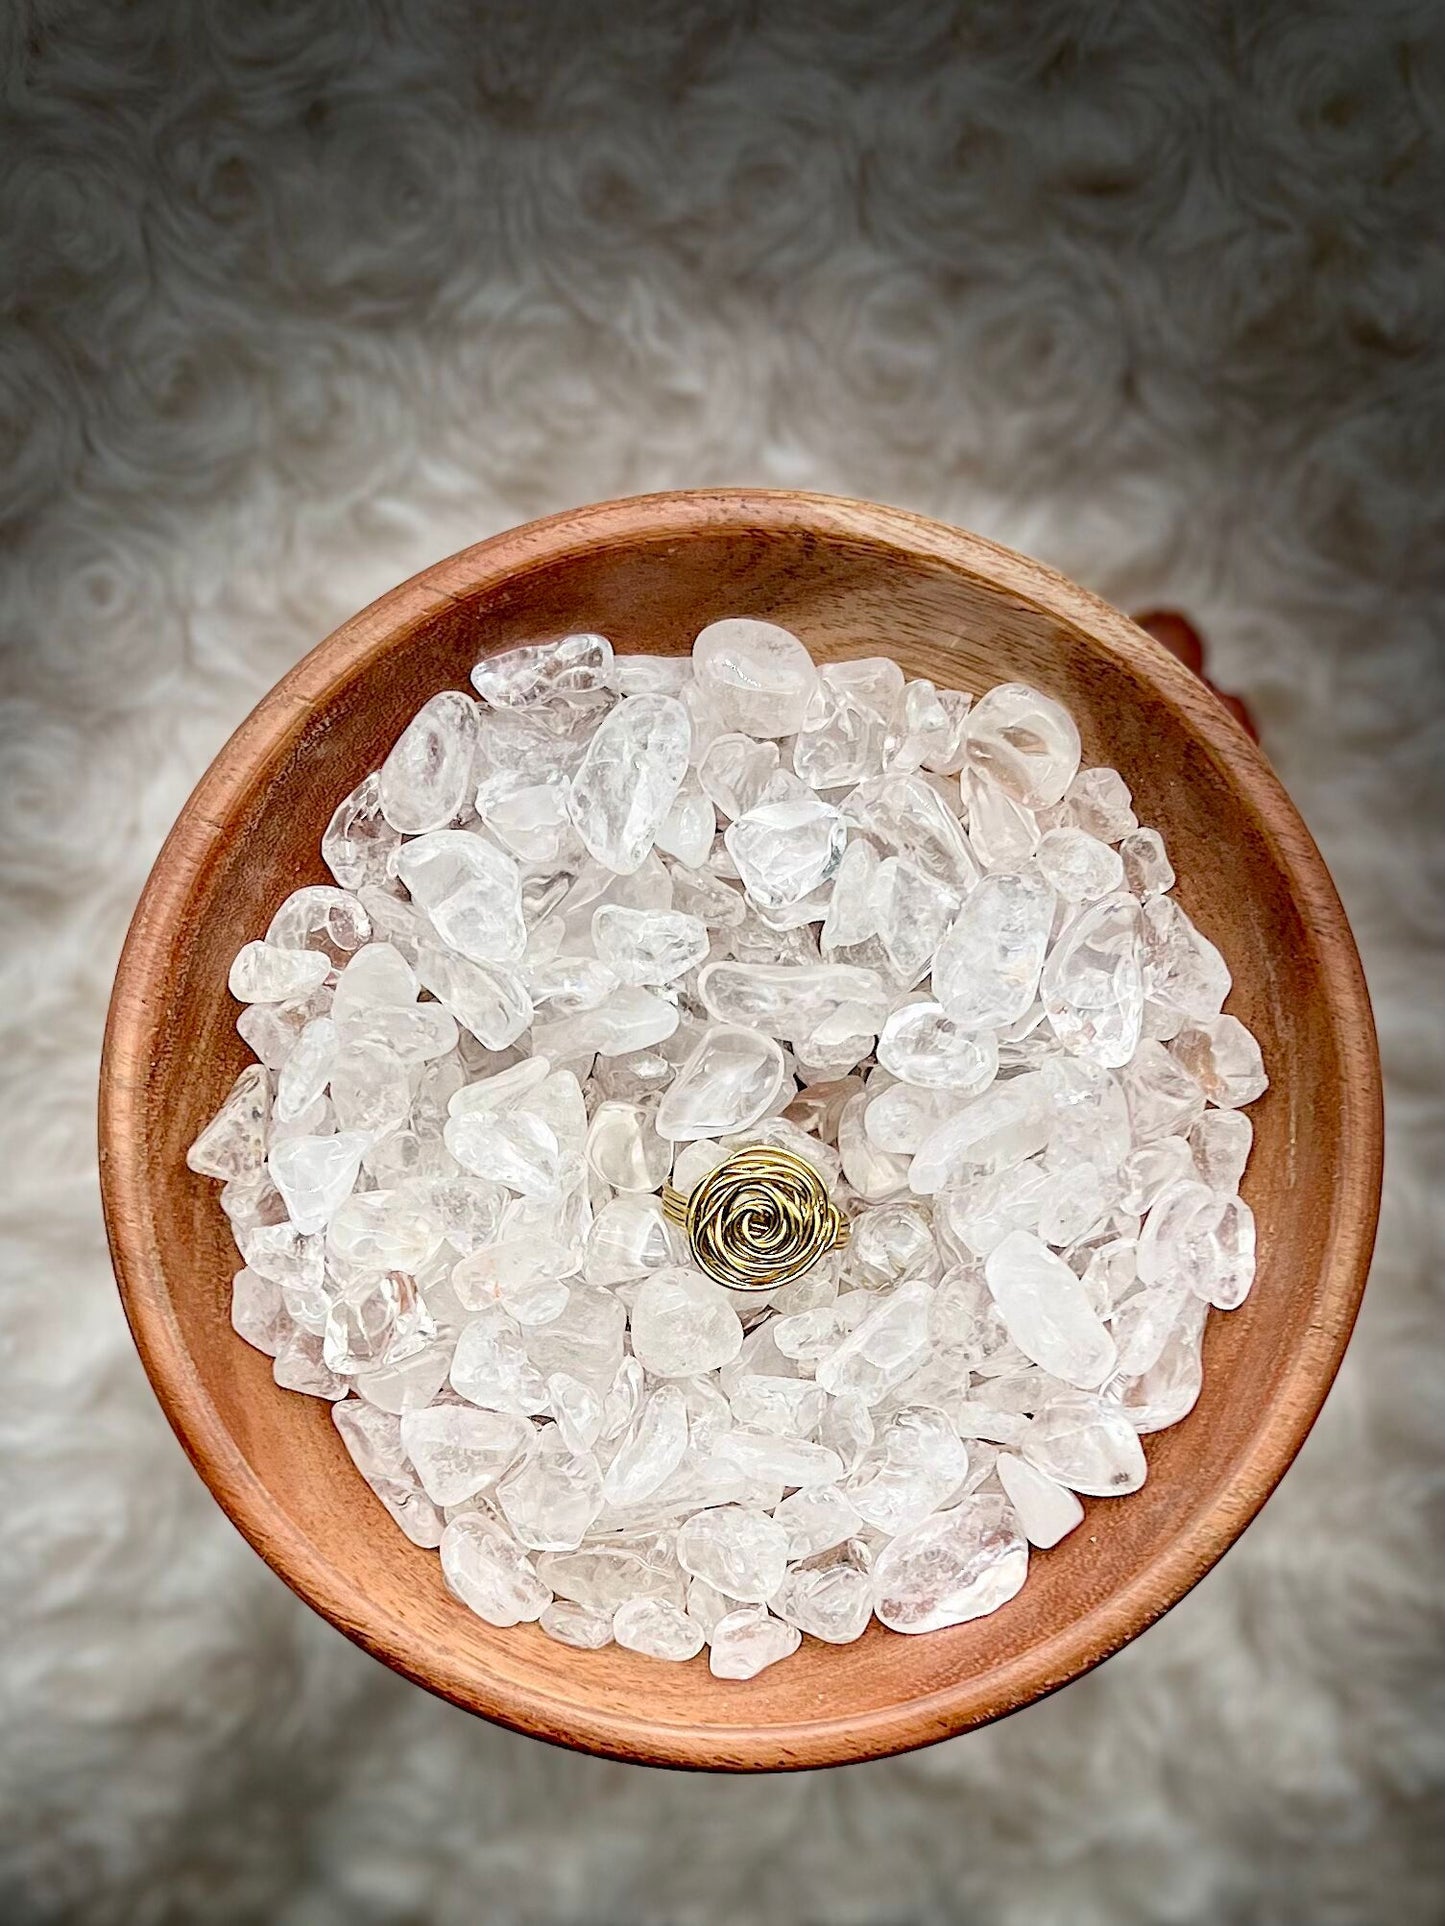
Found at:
[552, 1495]
[881, 1351]
[921, 1044]
[957, 1565]
[741, 1552]
[514, 1148]
[624, 1147]
[987, 967]
[1163, 1098]
[1002, 833]
[358, 842]
[314, 1175]
[1092, 983]
[299, 1366]
[488, 999]
[816, 1519]
[650, 1450]
[841, 740]
[788, 1000]
[769, 1459]
[1182, 968]
[585, 1339]
[629, 779]
[908, 818]
[1098, 800]
[1221, 1141]
[491, 1366]
[471, 890]
[756, 677]
[732, 1078]
[426, 780]
[459, 1450]
[1046, 1311]
[579, 1625]
[917, 1464]
[258, 1313]
[1023, 742]
[648, 946]
[373, 1440]
[658, 1629]
[683, 1324]
[572, 673]
[747, 1641]
[233, 1143]
[1147, 868]
[910, 914]
[1007, 1124]
[375, 1320]
[1046, 1511]
[268, 973]
[1077, 866]
[1086, 1443]
[1224, 1059]
[830, 1595]
[784, 851]
[490, 1573]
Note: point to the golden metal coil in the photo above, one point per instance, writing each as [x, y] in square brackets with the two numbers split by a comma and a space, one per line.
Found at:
[759, 1220]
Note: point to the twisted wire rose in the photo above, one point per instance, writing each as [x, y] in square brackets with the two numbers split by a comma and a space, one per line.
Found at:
[761, 1219]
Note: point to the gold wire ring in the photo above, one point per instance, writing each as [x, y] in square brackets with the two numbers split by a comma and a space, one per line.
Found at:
[759, 1220]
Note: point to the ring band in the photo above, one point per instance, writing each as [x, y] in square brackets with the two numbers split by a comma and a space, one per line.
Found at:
[761, 1219]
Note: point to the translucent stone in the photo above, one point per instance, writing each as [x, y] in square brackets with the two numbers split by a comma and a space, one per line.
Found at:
[1087, 1444]
[657, 1629]
[314, 1175]
[911, 913]
[584, 1339]
[373, 1440]
[1224, 1059]
[840, 742]
[459, 1450]
[579, 1625]
[784, 851]
[881, 1351]
[916, 1466]
[853, 907]
[629, 1238]
[530, 820]
[299, 1366]
[603, 1576]
[757, 678]
[650, 1450]
[1147, 868]
[683, 1324]
[1163, 1098]
[1025, 743]
[816, 1519]
[920, 728]
[488, 999]
[689, 827]
[874, 1173]
[358, 842]
[734, 772]
[1046, 1511]
[233, 1143]
[491, 1366]
[739, 1551]
[767, 1458]
[957, 1565]
[732, 1078]
[788, 1000]
[1099, 802]
[489, 1573]
[552, 1495]
[891, 1244]
[1003, 833]
[829, 1596]
[426, 780]
[1091, 1120]
[408, 1385]
[1092, 984]
[1075, 1202]
[395, 920]
[333, 921]
[570, 675]
[1151, 1169]
[719, 905]
[1169, 1389]
[267, 973]
[1077, 866]
[847, 1428]
[1007, 1124]
[987, 967]
[377, 977]
[567, 985]
[786, 1407]
[1165, 1244]
[909, 818]
[747, 1641]
[307, 1069]
[1047, 1313]
[874, 680]
[648, 946]
[375, 1320]
[258, 1313]
[1221, 1141]
[630, 1020]
[382, 1230]
[1182, 968]
[624, 1148]
[980, 1214]
[471, 891]
[900, 1116]
[629, 779]
[513, 1148]
[920, 1044]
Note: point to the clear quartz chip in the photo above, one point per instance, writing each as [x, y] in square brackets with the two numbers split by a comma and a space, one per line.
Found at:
[551, 1496]
[1047, 1313]
[1046, 1511]
[233, 1143]
[359, 842]
[426, 780]
[784, 851]
[1092, 984]
[315, 1174]
[683, 1324]
[658, 1629]
[582, 1626]
[1025, 743]
[490, 1573]
[1077, 866]
[648, 946]
[567, 675]
[829, 1595]
[458, 1450]
[756, 677]
[267, 973]
[987, 967]
[922, 1045]
[1223, 1059]
[748, 1640]
[629, 779]
[739, 1551]
[732, 1078]
[951, 1567]
[1086, 1443]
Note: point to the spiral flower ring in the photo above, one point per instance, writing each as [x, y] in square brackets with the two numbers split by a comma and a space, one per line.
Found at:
[759, 1220]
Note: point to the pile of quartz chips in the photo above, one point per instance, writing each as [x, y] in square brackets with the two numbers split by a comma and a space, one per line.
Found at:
[613, 918]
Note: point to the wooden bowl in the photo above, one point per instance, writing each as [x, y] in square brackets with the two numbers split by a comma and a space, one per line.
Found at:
[851, 579]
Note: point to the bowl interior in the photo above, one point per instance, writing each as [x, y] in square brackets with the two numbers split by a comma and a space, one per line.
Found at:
[849, 582]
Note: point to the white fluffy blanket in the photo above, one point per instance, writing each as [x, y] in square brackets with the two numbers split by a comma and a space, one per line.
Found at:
[300, 296]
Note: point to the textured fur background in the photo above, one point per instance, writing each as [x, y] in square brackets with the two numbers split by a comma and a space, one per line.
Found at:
[301, 294]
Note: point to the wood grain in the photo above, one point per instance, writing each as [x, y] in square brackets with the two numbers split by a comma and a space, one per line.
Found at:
[852, 579]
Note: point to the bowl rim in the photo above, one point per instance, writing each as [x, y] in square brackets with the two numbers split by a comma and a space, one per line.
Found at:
[126, 1182]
